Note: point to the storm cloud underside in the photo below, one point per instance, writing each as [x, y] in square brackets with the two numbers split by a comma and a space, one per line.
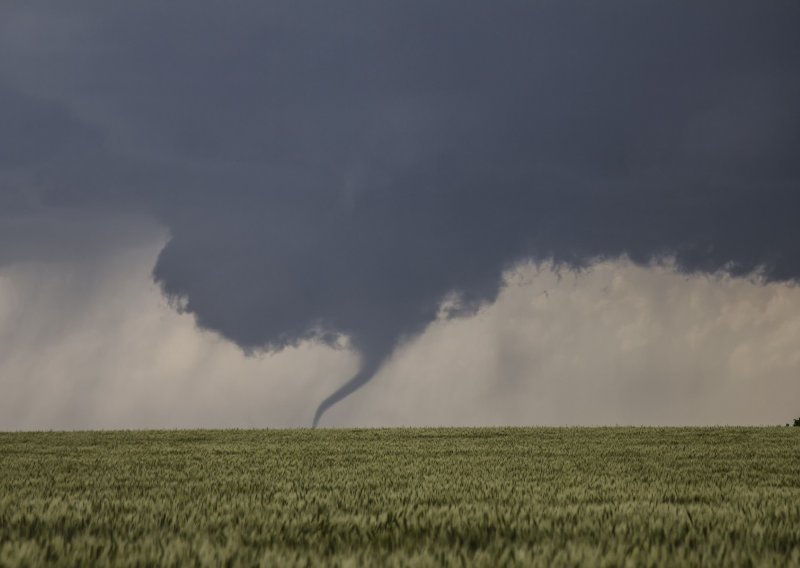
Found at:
[341, 169]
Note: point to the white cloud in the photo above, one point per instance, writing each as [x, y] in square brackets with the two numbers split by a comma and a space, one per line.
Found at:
[618, 344]
[92, 344]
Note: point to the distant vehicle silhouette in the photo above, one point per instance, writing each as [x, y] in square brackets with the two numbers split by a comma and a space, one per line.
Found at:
[797, 422]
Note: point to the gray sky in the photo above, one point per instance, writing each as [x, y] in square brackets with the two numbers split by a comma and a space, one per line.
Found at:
[312, 175]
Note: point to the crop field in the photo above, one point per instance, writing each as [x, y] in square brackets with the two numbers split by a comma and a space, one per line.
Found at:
[526, 496]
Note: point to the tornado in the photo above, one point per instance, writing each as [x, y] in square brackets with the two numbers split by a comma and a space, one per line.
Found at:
[371, 362]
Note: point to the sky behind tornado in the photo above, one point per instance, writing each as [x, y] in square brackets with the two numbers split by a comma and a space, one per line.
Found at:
[306, 181]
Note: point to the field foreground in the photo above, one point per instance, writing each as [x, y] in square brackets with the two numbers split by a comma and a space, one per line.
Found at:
[532, 496]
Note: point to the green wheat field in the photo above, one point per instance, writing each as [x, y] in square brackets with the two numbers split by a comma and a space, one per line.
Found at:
[491, 497]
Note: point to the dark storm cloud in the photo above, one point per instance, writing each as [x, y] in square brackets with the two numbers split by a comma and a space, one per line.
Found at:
[339, 167]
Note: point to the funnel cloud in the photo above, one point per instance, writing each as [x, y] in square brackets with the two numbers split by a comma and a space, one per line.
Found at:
[337, 173]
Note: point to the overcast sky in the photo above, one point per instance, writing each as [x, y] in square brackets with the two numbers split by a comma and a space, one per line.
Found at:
[398, 213]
